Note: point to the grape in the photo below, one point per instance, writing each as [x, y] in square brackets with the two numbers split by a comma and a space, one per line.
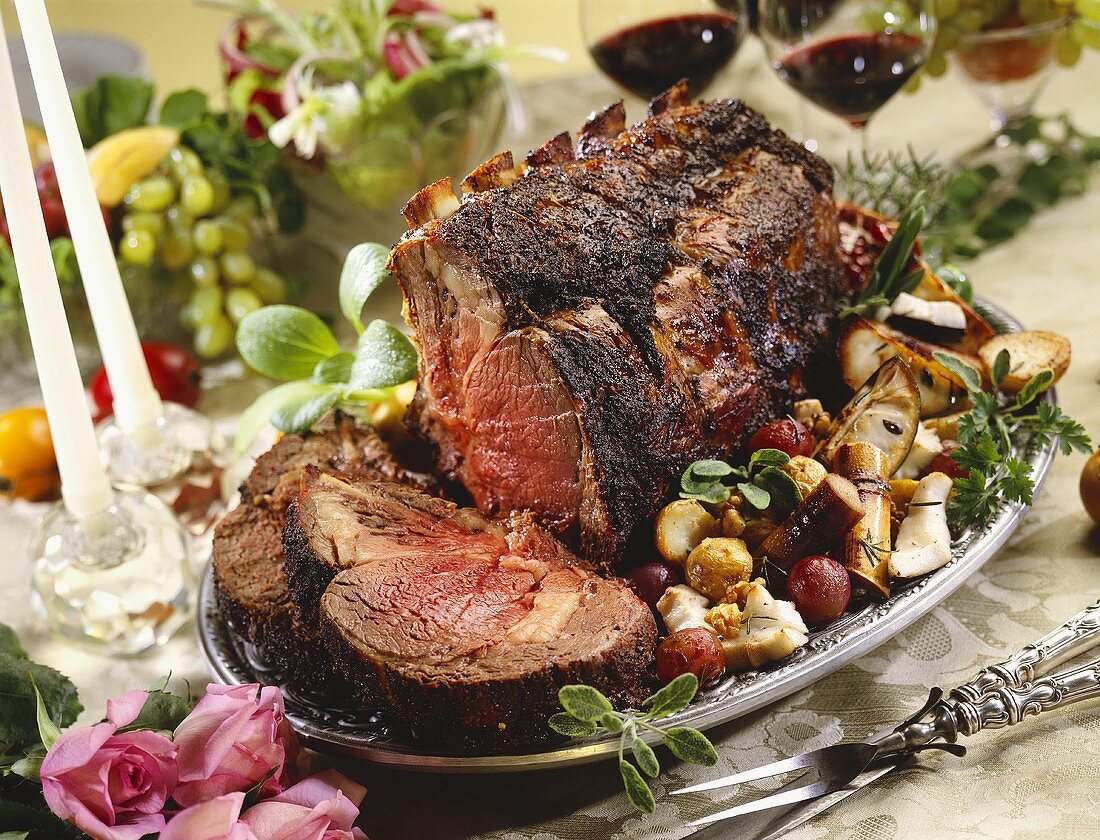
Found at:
[204, 272]
[213, 338]
[240, 302]
[183, 162]
[138, 247]
[242, 209]
[269, 286]
[234, 234]
[1067, 52]
[150, 222]
[206, 304]
[220, 186]
[197, 195]
[208, 238]
[156, 193]
[944, 463]
[650, 580]
[786, 435]
[177, 249]
[695, 650]
[238, 267]
[1086, 33]
[820, 588]
[179, 218]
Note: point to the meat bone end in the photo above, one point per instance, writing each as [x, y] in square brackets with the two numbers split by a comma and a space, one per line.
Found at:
[675, 97]
[435, 201]
[499, 171]
[554, 152]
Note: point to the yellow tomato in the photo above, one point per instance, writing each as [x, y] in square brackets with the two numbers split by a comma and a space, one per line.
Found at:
[1090, 486]
[28, 467]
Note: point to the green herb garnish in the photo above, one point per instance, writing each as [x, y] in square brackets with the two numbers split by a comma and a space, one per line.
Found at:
[762, 482]
[587, 710]
[986, 434]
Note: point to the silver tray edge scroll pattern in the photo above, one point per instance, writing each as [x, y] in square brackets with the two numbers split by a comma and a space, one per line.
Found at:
[335, 727]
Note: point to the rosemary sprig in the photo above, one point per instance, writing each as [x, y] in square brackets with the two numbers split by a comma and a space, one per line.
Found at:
[587, 710]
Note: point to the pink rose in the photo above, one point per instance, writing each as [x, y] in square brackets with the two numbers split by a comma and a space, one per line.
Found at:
[234, 737]
[111, 786]
[215, 819]
[322, 807]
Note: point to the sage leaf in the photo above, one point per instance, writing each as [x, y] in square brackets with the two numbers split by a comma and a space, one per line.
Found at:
[20, 680]
[385, 357]
[258, 415]
[9, 643]
[710, 469]
[768, 458]
[758, 497]
[364, 271]
[713, 494]
[565, 724]
[783, 490]
[1034, 386]
[672, 697]
[48, 731]
[971, 379]
[182, 108]
[1001, 366]
[612, 723]
[690, 745]
[335, 370]
[300, 415]
[162, 711]
[637, 791]
[285, 342]
[646, 758]
[584, 702]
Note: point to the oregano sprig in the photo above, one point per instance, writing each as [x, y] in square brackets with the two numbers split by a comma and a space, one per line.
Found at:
[986, 434]
[587, 710]
[762, 482]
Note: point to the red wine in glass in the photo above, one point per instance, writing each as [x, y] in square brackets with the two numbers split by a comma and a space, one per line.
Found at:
[853, 75]
[650, 57]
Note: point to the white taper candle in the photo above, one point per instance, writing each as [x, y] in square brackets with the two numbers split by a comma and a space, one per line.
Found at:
[135, 401]
[84, 483]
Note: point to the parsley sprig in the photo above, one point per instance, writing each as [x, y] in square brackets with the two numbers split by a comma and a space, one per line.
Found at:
[891, 275]
[587, 710]
[762, 482]
[986, 434]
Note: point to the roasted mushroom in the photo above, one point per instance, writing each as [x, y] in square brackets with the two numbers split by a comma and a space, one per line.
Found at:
[924, 543]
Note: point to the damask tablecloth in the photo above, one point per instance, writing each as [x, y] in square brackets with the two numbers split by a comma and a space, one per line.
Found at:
[1043, 776]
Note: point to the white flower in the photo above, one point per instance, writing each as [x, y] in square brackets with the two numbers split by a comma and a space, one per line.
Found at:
[322, 118]
[477, 34]
[302, 126]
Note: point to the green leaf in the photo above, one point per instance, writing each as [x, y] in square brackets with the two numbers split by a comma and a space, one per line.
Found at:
[690, 745]
[971, 378]
[584, 702]
[385, 357]
[637, 791]
[285, 342]
[112, 104]
[18, 706]
[252, 795]
[769, 458]
[1038, 185]
[17, 818]
[1000, 368]
[646, 758]
[183, 108]
[48, 731]
[612, 723]
[14, 835]
[709, 469]
[712, 494]
[783, 490]
[258, 416]
[565, 724]
[758, 497]
[672, 697]
[335, 370]
[29, 767]
[364, 271]
[9, 643]
[163, 711]
[1034, 386]
[299, 416]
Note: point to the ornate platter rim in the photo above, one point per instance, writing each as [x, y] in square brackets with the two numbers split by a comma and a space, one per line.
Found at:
[324, 729]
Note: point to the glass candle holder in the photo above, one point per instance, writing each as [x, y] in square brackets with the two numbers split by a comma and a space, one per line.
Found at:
[159, 451]
[117, 580]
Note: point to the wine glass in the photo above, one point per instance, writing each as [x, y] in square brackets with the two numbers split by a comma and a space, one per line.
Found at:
[847, 56]
[647, 46]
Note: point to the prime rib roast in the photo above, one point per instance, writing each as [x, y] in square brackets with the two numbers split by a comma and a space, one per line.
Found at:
[592, 322]
[588, 324]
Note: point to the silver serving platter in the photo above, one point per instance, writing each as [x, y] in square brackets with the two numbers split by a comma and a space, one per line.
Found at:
[335, 725]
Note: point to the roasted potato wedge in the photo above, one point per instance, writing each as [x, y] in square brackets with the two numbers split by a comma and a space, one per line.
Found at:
[680, 527]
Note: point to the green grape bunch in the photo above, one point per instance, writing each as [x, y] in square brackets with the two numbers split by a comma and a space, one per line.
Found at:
[185, 221]
[959, 18]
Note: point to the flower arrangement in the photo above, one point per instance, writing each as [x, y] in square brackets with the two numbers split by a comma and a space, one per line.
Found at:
[227, 767]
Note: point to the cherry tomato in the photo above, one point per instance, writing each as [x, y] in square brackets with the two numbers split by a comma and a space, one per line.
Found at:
[650, 580]
[820, 588]
[786, 435]
[28, 467]
[695, 650]
[944, 463]
[176, 376]
[1090, 486]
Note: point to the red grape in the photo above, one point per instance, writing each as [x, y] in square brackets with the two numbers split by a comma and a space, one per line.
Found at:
[53, 213]
[944, 463]
[174, 371]
[695, 650]
[650, 580]
[820, 588]
[45, 179]
[786, 435]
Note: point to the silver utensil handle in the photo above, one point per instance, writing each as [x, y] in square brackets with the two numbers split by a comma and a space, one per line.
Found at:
[1077, 635]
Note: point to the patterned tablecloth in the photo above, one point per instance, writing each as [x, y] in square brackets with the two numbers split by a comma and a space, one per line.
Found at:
[1044, 775]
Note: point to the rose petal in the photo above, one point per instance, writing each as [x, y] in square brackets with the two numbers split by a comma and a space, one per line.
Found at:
[123, 711]
[215, 819]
